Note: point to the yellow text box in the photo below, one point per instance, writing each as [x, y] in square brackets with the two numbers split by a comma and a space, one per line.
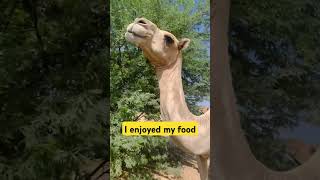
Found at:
[189, 128]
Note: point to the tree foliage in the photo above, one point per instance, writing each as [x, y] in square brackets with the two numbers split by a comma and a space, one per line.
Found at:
[275, 60]
[53, 82]
[134, 88]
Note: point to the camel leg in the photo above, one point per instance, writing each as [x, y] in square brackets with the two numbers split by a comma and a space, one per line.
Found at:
[203, 167]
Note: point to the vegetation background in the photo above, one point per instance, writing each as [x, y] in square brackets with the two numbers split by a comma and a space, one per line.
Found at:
[275, 53]
[134, 88]
[53, 87]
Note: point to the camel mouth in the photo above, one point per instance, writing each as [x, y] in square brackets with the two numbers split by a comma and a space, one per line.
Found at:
[136, 35]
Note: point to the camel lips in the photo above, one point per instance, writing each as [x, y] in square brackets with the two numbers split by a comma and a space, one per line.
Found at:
[135, 34]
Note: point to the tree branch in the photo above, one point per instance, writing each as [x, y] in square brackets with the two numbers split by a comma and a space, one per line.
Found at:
[105, 172]
[97, 168]
[138, 117]
[34, 17]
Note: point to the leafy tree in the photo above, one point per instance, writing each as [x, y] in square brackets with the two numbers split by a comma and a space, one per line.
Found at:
[275, 60]
[53, 66]
[134, 88]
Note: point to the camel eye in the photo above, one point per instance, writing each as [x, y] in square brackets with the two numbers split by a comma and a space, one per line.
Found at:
[168, 40]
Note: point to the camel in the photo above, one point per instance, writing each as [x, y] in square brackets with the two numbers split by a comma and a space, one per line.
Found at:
[232, 157]
[164, 52]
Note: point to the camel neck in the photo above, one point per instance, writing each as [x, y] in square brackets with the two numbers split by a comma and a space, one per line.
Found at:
[227, 128]
[173, 106]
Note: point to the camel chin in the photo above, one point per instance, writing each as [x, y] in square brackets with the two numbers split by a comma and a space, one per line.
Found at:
[136, 34]
[134, 39]
[131, 38]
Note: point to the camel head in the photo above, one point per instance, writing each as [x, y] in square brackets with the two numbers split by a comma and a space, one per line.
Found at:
[160, 47]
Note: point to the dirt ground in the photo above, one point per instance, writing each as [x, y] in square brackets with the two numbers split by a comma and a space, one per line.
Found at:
[188, 171]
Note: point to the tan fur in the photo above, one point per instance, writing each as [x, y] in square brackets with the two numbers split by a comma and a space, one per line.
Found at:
[300, 150]
[167, 60]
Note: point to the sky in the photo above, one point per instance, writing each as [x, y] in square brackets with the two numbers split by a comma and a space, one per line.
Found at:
[205, 103]
[307, 132]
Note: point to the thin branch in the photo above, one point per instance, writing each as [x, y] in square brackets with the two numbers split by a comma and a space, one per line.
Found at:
[105, 172]
[34, 17]
[97, 168]
[138, 117]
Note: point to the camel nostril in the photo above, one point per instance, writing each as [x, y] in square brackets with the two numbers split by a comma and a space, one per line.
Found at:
[142, 22]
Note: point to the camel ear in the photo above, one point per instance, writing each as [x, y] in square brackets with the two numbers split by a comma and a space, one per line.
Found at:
[183, 43]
